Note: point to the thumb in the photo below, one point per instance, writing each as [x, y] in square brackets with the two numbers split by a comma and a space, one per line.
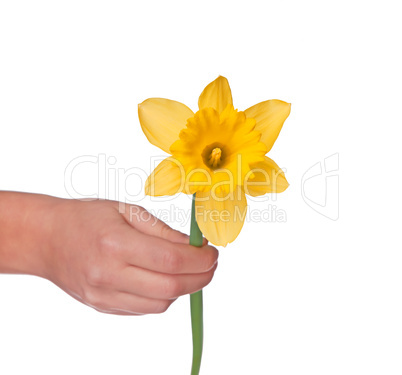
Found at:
[142, 220]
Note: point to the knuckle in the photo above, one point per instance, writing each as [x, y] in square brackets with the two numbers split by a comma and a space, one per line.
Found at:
[172, 261]
[92, 299]
[106, 242]
[165, 230]
[136, 213]
[172, 287]
[142, 215]
[161, 306]
[95, 276]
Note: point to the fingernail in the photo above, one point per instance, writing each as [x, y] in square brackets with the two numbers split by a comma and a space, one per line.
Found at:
[209, 269]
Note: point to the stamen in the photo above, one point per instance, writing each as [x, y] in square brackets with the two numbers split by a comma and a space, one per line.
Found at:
[215, 157]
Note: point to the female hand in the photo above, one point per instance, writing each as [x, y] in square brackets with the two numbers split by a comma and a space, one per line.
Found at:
[126, 263]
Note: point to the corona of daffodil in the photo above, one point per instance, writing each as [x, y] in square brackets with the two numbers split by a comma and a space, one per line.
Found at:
[217, 153]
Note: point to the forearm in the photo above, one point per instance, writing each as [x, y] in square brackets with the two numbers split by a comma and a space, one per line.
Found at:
[25, 229]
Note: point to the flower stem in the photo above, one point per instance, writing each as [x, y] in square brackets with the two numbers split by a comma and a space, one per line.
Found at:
[196, 301]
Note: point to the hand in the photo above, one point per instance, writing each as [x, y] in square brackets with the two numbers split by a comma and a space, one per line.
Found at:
[127, 264]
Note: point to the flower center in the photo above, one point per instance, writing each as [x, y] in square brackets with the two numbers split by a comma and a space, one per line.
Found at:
[214, 156]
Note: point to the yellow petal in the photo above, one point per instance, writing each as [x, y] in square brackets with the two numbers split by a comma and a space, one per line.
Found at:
[221, 220]
[162, 119]
[166, 179]
[216, 95]
[270, 116]
[265, 177]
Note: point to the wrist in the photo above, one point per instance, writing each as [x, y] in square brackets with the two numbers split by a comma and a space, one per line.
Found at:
[26, 222]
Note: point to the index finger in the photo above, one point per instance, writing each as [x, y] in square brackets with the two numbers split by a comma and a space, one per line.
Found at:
[160, 255]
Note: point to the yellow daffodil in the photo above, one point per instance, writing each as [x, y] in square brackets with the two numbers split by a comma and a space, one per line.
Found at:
[217, 153]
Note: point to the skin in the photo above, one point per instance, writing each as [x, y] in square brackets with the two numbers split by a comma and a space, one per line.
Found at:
[125, 263]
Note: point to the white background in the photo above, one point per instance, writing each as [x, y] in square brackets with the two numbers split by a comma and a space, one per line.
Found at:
[308, 296]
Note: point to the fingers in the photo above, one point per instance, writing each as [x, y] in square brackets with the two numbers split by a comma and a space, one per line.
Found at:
[160, 255]
[121, 303]
[156, 285]
[143, 265]
[135, 291]
[142, 220]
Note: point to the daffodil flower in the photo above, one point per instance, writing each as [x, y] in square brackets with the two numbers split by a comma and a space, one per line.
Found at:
[217, 153]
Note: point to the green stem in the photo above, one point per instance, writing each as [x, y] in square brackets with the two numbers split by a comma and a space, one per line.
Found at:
[196, 301]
